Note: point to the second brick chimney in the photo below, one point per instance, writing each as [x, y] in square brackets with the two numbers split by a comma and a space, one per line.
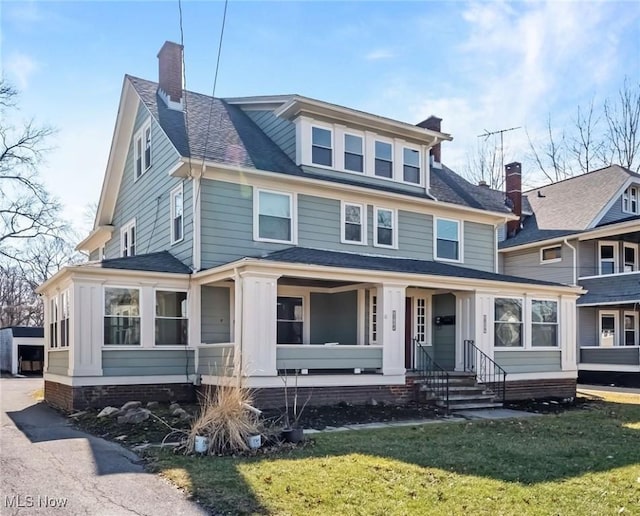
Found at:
[170, 81]
[513, 183]
[435, 124]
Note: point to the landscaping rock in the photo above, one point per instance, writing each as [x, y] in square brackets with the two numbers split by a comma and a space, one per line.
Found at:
[372, 402]
[78, 414]
[109, 412]
[174, 406]
[179, 412]
[153, 405]
[130, 405]
[134, 416]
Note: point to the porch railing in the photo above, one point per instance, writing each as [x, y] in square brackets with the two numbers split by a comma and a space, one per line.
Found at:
[430, 374]
[486, 370]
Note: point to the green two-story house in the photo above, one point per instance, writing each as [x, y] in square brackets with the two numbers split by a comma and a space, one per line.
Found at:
[260, 236]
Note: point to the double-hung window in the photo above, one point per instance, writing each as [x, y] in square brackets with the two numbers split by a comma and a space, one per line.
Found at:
[353, 223]
[128, 239]
[64, 319]
[508, 323]
[411, 166]
[630, 257]
[321, 146]
[177, 215]
[630, 200]
[385, 231]
[274, 217]
[630, 329]
[171, 318]
[544, 323]
[53, 322]
[353, 153]
[383, 159]
[121, 316]
[608, 328]
[289, 320]
[448, 240]
[608, 257]
[142, 150]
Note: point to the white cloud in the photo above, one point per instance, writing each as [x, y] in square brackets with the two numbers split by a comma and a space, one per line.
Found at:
[378, 54]
[21, 67]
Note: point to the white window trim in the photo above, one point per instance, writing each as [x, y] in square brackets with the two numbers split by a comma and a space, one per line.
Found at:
[626, 196]
[394, 164]
[529, 314]
[305, 294]
[553, 260]
[460, 242]
[54, 319]
[156, 316]
[125, 229]
[394, 227]
[615, 259]
[373, 293]
[417, 148]
[177, 190]
[331, 129]
[524, 337]
[140, 316]
[140, 136]
[625, 246]
[616, 327]
[293, 210]
[363, 137]
[61, 318]
[363, 223]
[635, 329]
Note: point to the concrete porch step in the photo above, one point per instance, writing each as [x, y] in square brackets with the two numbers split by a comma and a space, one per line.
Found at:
[469, 405]
[469, 397]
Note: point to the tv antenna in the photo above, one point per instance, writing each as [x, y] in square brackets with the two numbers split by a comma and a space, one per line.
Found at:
[501, 132]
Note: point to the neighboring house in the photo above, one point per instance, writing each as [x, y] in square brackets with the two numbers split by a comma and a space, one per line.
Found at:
[285, 233]
[586, 231]
[22, 349]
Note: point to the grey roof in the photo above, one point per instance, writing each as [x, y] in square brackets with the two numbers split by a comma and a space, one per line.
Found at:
[610, 289]
[387, 264]
[162, 261]
[234, 139]
[25, 331]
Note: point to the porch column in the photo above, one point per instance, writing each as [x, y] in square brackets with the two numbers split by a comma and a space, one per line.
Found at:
[194, 312]
[257, 297]
[391, 308]
[484, 310]
[86, 307]
[465, 325]
[567, 328]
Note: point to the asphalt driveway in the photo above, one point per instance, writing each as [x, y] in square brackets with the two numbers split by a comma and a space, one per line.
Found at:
[49, 467]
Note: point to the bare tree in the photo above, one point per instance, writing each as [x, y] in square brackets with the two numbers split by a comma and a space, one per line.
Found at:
[623, 122]
[26, 208]
[19, 304]
[586, 145]
[550, 157]
[483, 165]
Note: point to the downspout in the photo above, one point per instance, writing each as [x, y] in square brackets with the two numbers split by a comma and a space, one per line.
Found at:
[575, 261]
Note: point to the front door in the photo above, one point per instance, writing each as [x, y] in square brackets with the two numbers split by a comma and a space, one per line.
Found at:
[408, 334]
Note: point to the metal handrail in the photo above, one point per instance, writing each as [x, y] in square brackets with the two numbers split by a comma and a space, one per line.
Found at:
[486, 370]
[433, 376]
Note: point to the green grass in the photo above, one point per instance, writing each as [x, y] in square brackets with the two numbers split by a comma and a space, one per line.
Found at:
[582, 462]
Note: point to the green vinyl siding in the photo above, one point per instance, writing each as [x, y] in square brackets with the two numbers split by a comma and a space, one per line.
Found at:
[328, 357]
[147, 362]
[148, 199]
[281, 131]
[525, 361]
[58, 362]
[215, 360]
[526, 264]
[215, 315]
[479, 246]
[334, 318]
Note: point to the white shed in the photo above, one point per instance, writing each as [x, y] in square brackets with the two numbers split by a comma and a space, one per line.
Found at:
[22, 349]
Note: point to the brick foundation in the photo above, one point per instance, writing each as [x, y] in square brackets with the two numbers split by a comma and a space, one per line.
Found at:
[70, 398]
[532, 389]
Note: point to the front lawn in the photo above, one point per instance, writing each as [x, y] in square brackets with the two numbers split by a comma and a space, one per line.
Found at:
[580, 462]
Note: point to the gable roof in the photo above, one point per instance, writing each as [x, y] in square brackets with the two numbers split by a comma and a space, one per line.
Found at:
[308, 256]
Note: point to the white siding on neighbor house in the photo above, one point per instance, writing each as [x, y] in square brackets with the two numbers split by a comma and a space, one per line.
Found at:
[526, 263]
[148, 200]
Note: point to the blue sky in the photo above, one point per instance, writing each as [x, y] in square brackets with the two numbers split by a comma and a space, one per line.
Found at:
[478, 65]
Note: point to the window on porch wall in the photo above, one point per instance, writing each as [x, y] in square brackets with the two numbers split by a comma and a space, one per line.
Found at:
[373, 314]
[64, 320]
[544, 323]
[508, 323]
[630, 329]
[53, 323]
[289, 320]
[421, 319]
[121, 316]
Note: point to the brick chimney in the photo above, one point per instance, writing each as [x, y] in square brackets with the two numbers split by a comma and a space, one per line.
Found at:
[513, 183]
[170, 74]
[433, 123]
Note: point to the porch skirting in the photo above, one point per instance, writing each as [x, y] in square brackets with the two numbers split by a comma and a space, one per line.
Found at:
[547, 388]
[68, 398]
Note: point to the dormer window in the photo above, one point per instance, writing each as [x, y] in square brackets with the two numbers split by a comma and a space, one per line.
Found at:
[321, 149]
[411, 167]
[630, 200]
[384, 159]
[353, 153]
[142, 150]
